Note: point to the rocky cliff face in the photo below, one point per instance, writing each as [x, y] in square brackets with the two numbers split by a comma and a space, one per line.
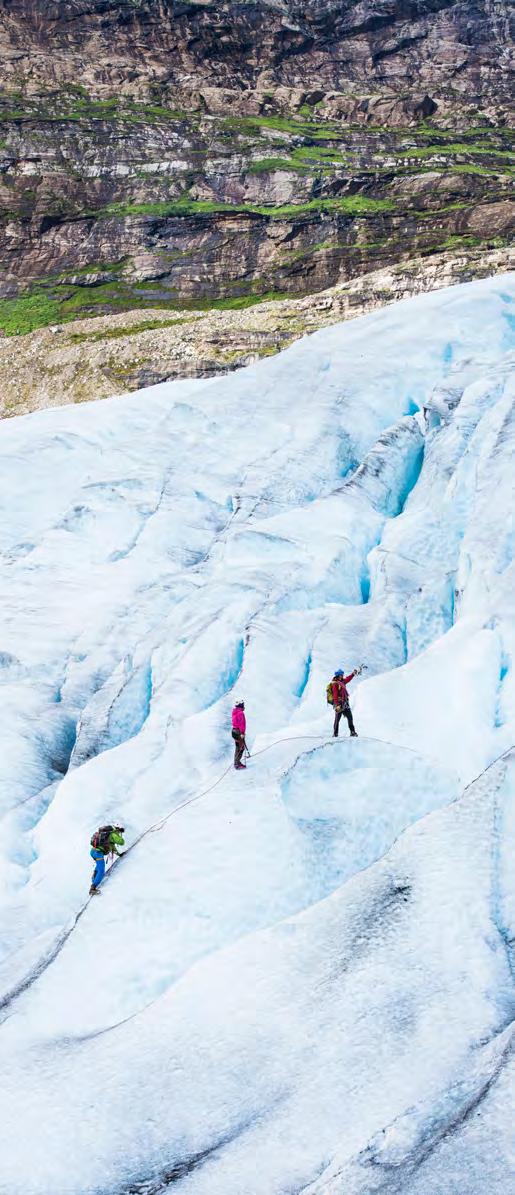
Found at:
[451, 47]
[98, 357]
[170, 154]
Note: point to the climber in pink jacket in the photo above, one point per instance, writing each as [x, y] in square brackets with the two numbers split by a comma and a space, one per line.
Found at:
[239, 727]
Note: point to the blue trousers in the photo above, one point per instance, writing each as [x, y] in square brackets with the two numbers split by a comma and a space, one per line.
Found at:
[100, 868]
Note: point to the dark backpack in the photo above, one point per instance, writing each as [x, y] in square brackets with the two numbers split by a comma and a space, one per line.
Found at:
[100, 839]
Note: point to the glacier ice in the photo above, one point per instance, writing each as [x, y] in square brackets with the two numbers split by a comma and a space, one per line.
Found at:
[304, 980]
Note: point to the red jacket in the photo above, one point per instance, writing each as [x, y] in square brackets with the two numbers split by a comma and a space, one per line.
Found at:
[339, 689]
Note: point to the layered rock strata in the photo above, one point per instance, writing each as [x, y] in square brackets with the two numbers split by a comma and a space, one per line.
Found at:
[176, 154]
[99, 357]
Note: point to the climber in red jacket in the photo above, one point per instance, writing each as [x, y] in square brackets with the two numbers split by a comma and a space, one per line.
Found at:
[338, 697]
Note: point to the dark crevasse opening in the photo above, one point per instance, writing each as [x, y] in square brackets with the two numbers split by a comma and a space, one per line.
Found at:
[365, 583]
[229, 674]
[305, 677]
[63, 749]
[114, 715]
[503, 673]
[411, 478]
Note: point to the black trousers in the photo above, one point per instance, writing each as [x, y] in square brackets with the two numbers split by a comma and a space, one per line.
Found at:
[343, 711]
[239, 747]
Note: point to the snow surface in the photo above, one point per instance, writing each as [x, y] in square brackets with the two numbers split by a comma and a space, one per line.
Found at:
[301, 980]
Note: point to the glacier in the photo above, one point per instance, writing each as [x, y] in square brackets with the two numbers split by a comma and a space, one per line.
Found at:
[300, 979]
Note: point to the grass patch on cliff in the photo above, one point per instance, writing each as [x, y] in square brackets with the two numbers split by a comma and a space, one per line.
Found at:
[486, 171]
[73, 103]
[41, 306]
[318, 153]
[94, 267]
[269, 165]
[28, 312]
[282, 124]
[125, 110]
[149, 325]
[328, 246]
[305, 159]
[237, 355]
[38, 308]
[353, 205]
[459, 242]
[457, 147]
[233, 302]
[437, 133]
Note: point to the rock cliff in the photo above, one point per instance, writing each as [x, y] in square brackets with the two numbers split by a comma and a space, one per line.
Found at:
[171, 154]
[450, 47]
[97, 357]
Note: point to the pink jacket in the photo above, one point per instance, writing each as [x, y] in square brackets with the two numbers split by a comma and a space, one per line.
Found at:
[238, 720]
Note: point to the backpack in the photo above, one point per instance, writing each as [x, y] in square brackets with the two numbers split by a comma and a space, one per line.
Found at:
[100, 839]
[329, 693]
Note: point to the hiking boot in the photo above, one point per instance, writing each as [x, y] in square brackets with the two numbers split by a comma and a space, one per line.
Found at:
[353, 734]
[240, 767]
[93, 890]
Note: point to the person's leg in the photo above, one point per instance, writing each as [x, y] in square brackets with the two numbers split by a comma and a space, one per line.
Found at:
[337, 718]
[350, 721]
[239, 748]
[100, 866]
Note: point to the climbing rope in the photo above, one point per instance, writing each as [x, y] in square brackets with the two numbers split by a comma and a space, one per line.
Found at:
[315, 738]
[65, 934]
[157, 826]
[298, 738]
